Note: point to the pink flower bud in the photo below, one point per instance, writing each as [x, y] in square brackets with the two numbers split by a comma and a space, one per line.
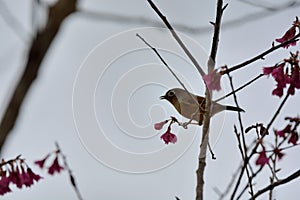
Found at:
[160, 125]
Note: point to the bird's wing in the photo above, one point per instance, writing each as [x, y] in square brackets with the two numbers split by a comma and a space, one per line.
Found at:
[190, 110]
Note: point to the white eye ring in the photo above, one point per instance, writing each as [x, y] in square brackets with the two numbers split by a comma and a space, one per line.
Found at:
[171, 93]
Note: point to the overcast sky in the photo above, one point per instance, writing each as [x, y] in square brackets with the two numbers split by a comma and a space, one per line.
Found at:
[47, 113]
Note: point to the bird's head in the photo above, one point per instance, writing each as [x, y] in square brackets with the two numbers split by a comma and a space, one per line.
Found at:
[174, 95]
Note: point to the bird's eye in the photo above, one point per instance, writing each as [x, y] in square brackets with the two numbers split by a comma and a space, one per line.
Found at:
[171, 93]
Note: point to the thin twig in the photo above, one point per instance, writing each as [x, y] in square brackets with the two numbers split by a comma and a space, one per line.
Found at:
[240, 88]
[243, 147]
[3, 162]
[247, 185]
[170, 69]
[259, 170]
[71, 176]
[239, 113]
[244, 154]
[277, 111]
[261, 56]
[273, 169]
[177, 38]
[254, 149]
[211, 151]
[216, 36]
[238, 137]
[276, 184]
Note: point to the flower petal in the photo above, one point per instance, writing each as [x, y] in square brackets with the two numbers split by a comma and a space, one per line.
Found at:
[160, 125]
[287, 36]
[169, 137]
[55, 167]
[212, 80]
[262, 159]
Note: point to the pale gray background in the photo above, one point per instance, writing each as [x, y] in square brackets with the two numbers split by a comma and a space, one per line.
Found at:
[47, 112]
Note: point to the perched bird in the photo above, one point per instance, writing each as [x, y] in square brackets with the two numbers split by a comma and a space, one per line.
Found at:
[186, 105]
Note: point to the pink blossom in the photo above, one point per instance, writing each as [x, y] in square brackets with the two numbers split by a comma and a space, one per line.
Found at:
[18, 173]
[25, 179]
[282, 132]
[33, 176]
[278, 153]
[287, 36]
[293, 138]
[41, 163]
[278, 91]
[4, 185]
[159, 125]
[15, 177]
[294, 80]
[262, 159]
[169, 137]
[280, 77]
[269, 70]
[212, 80]
[55, 167]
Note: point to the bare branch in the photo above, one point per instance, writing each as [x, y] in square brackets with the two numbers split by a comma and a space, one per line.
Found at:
[177, 38]
[206, 119]
[254, 149]
[242, 144]
[240, 88]
[171, 70]
[277, 183]
[39, 47]
[71, 176]
[261, 56]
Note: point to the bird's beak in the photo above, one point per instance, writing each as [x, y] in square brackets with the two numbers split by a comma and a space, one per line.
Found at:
[162, 97]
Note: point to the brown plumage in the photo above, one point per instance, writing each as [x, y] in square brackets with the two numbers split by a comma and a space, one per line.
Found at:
[187, 107]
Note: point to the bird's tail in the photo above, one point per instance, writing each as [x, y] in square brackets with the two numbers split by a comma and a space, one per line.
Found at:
[234, 109]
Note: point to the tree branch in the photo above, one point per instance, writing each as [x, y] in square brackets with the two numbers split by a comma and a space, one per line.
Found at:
[254, 149]
[242, 143]
[39, 47]
[176, 37]
[71, 176]
[261, 56]
[206, 120]
[240, 88]
[277, 183]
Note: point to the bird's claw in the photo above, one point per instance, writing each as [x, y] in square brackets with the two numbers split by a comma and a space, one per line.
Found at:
[184, 124]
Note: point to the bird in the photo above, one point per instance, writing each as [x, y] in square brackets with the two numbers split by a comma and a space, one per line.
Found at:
[186, 105]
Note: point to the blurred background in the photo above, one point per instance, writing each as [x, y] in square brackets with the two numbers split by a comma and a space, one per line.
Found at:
[46, 114]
